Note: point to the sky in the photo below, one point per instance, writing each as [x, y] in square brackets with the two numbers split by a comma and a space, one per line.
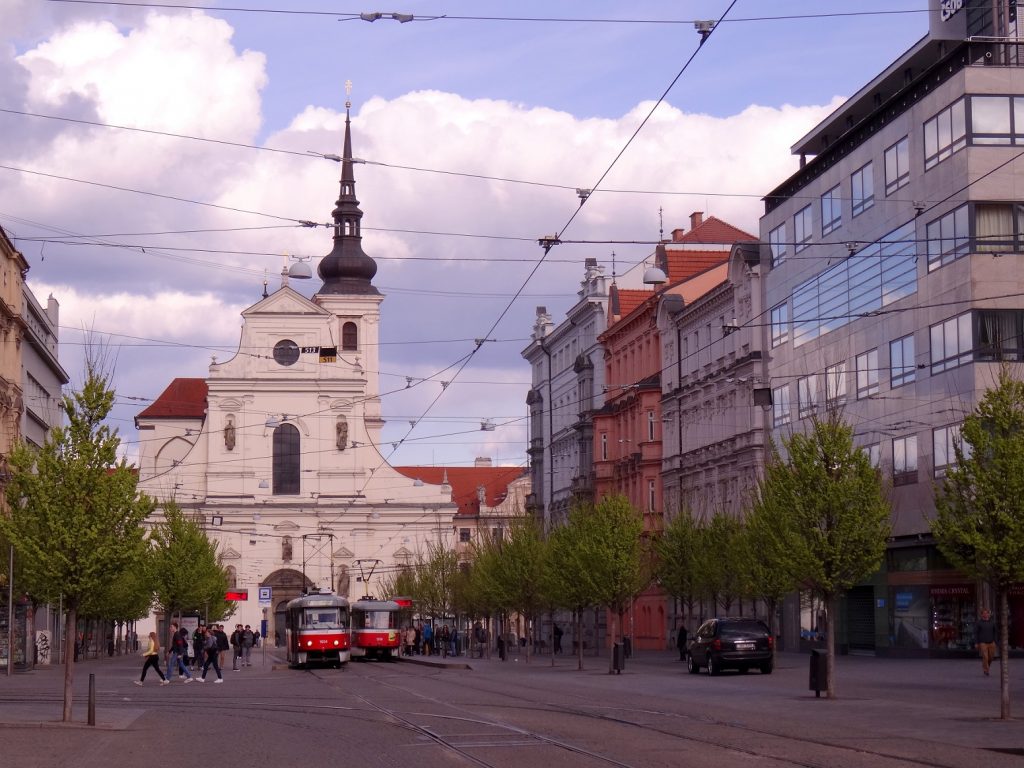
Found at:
[539, 97]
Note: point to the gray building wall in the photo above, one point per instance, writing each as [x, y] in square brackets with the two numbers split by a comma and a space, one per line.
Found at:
[43, 377]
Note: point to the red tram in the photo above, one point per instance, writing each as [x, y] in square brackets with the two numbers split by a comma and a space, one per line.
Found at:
[376, 633]
[317, 630]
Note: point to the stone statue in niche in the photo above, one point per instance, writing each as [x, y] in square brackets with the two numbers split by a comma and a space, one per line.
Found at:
[342, 433]
[229, 433]
[286, 549]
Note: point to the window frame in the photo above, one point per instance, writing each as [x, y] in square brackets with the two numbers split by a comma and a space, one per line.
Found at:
[835, 396]
[779, 315]
[899, 153]
[866, 363]
[803, 228]
[952, 227]
[962, 356]
[806, 396]
[935, 147]
[777, 244]
[907, 373]
[286, 463]
[863, 198]
[782, 412]
[902, 472]
[949, 434]
[833, 218]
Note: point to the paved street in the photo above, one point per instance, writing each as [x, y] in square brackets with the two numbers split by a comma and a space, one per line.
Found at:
[488, 713]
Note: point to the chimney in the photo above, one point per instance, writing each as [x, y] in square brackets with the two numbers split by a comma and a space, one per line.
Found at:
[482, 461]
[696, 219]
[677, 235]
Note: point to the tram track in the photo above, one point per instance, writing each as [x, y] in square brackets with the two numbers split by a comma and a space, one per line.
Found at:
[703, 721]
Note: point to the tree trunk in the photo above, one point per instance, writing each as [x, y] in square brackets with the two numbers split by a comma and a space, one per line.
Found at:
[69, 661]
[1004, 655]
[552, 614]
[613, 634]
[830, 643]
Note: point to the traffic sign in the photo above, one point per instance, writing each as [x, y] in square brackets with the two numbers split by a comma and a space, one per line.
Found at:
[265, 595]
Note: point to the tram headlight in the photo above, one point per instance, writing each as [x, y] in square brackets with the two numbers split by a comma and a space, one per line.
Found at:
[335, 642]
[309, 643]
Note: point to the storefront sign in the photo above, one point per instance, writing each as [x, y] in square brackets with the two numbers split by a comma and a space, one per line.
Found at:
[951, 590]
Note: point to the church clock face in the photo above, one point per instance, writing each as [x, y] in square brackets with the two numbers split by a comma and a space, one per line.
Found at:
[286, 352]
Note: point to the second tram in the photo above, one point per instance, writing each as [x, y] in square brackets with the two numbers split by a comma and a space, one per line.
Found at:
[376, 632]
[317, 630]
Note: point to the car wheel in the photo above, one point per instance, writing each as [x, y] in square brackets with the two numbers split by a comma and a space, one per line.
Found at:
[767, 667]
[691, 666]
[713, 666]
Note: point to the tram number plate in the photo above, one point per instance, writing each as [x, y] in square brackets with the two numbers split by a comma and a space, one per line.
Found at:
[744, 646]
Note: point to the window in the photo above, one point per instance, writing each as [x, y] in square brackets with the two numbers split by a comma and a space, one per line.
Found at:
[464, 534]
[806, 395]
[780, 324]
[951, 343]
[1000, 335]
[944, 441]
[349, 337]
[604, 447]
[862, 189]
[902, 369]
[897, 165]
[949, 237]
[650, 495]
[904, 460]
[875, 276]
[777, 242]
[650, 425]
[867, 374]
[997, 227]
[997, 120]
[835, 384]
[286, 460]
[831, 210]
[780, 406]
[874, 454]
[802, 228]
[945, 134]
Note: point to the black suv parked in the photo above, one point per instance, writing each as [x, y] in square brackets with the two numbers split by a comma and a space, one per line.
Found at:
[731, 643]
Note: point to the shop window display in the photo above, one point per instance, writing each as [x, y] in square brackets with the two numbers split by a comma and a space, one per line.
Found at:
[911, 616]
[953, 610]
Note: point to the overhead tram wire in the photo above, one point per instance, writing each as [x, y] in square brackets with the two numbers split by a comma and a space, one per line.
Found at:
[350, 16]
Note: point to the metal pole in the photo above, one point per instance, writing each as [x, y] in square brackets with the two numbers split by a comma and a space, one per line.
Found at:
[92, 698]
[10, 612]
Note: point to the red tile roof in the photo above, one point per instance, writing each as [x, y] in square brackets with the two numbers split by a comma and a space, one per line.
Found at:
[183, 399]
[465, 480]
[631, 298]
[682, 265]
[714, 230]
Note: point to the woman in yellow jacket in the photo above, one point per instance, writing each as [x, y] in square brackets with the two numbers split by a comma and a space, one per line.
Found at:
[152, 656]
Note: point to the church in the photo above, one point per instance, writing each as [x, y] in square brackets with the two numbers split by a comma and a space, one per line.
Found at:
[277, 451]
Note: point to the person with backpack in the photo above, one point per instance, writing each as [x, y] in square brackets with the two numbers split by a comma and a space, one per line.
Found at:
[236, 648]
[178, 650]
[247, 642]
[198, 654]
[212, 650]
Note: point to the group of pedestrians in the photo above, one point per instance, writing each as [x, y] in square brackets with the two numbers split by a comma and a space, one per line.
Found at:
[422, 639]
[209, 643]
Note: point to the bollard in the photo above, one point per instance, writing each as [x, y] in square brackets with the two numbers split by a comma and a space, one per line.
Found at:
[92, 698]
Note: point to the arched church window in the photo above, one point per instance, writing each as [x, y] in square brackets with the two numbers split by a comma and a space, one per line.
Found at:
[349, 337]
[286, 460]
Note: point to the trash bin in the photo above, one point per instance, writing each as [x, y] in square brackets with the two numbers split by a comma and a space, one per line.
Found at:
[627, 647]
[618, 659]
[818, 681]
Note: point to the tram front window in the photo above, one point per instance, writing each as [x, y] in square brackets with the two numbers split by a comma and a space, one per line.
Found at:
[378, 620]
[323, 618]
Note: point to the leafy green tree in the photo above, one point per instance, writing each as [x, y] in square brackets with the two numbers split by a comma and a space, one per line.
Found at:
[979, 523]
[826, 514]
[679, 561]
[185, 571]
[75, 514]
[605, 550]
[572, 586]
[764, 578]
[437, 579]
[401, 582]
[721, 541]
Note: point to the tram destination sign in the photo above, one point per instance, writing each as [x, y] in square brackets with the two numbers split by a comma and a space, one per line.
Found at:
[236, 595]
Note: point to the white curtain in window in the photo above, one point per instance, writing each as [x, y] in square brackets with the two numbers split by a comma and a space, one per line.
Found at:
[993, 227]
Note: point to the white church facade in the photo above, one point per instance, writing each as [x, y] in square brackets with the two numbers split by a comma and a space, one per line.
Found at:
[277, 449]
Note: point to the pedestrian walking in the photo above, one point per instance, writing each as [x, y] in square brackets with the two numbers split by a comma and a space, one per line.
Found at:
[236, 647]
[557, 632]
[152, 656]
[211, 646]
[428, 639]
[985, 639]
[444, 640]
[177, 654]
[410, 639]
[222, 643]
[198, 654]
[681, 636]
